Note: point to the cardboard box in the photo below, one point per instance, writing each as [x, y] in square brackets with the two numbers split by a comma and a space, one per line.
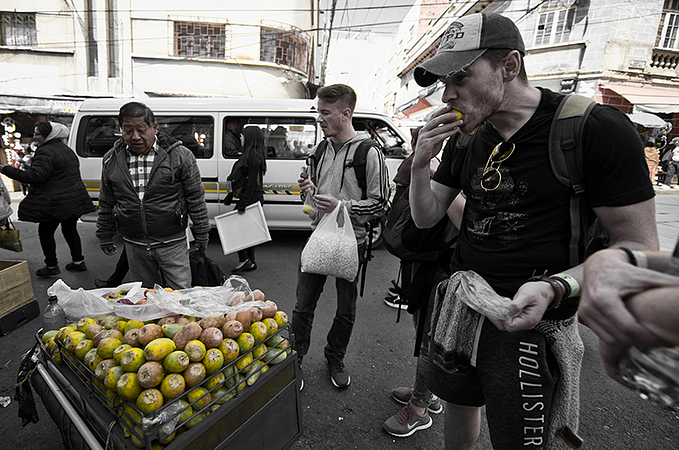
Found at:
[19, 316]
[15, 286]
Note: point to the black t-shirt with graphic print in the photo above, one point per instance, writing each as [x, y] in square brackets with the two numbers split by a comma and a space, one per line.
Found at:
[523, 226]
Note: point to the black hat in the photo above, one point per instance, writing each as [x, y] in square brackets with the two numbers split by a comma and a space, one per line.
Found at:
[465, 40]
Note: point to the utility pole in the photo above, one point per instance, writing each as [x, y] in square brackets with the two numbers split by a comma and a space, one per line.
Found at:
[327, 44]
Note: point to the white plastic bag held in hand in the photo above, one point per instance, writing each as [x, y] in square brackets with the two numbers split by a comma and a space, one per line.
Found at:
[332, 248]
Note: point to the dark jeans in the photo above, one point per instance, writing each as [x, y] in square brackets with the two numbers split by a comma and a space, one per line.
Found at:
[309, 289]
[69, 229]
[671, 170]
[122, 267]
[245, 254]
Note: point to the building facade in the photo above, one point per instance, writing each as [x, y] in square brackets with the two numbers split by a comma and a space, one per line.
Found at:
[55, 53]
[619, 53]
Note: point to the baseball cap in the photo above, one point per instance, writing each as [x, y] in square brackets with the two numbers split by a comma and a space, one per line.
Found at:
[465, 40]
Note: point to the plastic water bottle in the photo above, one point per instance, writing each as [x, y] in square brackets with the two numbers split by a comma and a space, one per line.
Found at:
[654, 373]
[54, 316]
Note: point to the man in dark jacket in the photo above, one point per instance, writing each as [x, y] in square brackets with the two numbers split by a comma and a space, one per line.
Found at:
[150, 185]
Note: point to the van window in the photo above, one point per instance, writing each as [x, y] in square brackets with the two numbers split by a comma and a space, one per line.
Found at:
[195, 132]
[284, 137]
[101, 132]
[392, 144]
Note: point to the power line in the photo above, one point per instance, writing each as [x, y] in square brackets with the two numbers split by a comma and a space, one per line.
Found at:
[340, 29]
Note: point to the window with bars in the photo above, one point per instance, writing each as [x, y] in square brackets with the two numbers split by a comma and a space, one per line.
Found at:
[287, 47]
[200, 39]
[555, 22]
[669, 26]
[18, 29]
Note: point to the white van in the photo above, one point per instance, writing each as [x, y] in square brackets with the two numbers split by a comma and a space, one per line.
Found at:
[290, 131]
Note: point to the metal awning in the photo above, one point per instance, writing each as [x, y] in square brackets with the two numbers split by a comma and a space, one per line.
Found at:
[647, 99]
[39, 105]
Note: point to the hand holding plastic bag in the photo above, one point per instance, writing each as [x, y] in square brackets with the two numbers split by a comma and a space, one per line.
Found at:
[332, 248]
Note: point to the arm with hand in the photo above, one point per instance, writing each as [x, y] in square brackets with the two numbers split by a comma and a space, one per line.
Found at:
[631, 226]
[430, 200]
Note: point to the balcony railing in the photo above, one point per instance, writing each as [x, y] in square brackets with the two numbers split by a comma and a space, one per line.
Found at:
[665, 59]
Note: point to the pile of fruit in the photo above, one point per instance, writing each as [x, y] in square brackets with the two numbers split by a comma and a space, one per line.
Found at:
[139, 368]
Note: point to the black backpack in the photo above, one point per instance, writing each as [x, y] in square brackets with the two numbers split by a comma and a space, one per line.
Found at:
[404, 240]
[566, 158]
[204, 271]
[359, 164]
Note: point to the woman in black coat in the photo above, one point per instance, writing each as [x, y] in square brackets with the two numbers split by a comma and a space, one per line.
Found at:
[252, 165]
[57, 195]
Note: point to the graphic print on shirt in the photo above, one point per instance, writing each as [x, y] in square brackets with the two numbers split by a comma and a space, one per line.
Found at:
[495, 224]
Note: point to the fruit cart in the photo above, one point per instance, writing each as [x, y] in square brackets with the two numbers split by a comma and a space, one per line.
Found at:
[265, 414]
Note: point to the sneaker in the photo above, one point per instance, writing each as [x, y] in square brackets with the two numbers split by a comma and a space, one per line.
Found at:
[406, 422]
[339, 376]
[77, 266]
[663, 186]
[396, 302]
[48, 271]
[403, 394]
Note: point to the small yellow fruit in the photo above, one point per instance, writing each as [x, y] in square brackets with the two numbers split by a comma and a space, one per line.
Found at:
[199, 398]
[307, 209]
[149, 401]
[259, 331]
[281, 319]
[245, 343]
[459, 114]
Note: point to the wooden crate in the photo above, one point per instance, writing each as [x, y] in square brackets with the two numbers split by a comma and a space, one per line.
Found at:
[15, 286]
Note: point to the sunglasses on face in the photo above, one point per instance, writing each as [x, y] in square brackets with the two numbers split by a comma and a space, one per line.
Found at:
[491, 177]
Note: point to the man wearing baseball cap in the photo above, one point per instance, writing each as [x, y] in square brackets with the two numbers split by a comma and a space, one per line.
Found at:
[516, 227]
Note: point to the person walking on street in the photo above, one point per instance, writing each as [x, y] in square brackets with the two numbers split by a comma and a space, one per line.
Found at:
[150, 186]
[672, 167]
[652, 159]
[515, 229]
[57, 196]
[332, 182]
[252, 165]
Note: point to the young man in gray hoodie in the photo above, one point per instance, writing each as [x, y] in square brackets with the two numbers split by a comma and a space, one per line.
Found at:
[333, 181]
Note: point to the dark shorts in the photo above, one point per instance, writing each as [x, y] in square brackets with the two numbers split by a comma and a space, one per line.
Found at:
[514, 377]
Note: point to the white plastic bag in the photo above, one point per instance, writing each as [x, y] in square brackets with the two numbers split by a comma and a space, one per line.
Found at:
[233, 296]
[80, 303]
[332, 248]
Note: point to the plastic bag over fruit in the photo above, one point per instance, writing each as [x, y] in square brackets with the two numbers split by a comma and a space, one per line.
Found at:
[233, 296]
[81, 303]
[332, 248]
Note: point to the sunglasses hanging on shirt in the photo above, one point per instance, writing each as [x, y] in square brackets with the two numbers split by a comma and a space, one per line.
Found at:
[491, 178]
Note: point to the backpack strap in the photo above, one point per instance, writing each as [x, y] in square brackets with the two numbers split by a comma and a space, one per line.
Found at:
[566, 159]
[359, 164]
[315, 158]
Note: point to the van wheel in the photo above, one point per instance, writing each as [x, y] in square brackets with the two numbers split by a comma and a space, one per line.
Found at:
[377, 232]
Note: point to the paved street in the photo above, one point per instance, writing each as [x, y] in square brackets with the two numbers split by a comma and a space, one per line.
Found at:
[380, 356]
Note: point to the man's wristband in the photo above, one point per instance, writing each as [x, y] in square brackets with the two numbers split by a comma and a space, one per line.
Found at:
[636, 257]
[572, 285]
[558, 287]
